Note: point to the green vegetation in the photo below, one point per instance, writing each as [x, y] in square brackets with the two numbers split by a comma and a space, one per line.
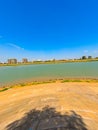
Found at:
[22, 84]
[4, 89]
[79, 80]
[72, 80]
[84, 57]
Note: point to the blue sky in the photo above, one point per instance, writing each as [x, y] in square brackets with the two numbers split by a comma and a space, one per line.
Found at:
[46, 29]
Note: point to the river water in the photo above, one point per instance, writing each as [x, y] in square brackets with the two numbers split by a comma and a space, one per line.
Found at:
[15, 74]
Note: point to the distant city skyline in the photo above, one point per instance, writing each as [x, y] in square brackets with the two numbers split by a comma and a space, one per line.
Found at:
[26, 60]
[49, 29]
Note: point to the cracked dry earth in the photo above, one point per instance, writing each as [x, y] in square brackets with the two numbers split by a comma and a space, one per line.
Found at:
[64, 97]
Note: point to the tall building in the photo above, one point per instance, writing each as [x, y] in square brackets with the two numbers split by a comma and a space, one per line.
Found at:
[24, 60]
[12, 61]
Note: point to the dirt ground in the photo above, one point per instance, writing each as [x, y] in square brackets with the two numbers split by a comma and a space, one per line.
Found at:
[81, 98]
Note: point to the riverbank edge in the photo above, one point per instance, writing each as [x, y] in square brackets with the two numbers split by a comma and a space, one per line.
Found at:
[87, 80]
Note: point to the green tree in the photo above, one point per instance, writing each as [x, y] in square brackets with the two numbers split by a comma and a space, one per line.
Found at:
[89, 57]
[84, 57]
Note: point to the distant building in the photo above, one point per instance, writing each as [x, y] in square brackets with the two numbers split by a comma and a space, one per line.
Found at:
[12, 61]
[24, 60]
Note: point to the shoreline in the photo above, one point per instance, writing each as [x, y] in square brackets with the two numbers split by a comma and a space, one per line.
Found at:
[36, 82]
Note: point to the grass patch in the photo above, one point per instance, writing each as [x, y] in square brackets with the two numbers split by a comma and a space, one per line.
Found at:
[76, 80]
[70, 80]
[4, 89]
[22, 84]
[79, 80]
[63, 81]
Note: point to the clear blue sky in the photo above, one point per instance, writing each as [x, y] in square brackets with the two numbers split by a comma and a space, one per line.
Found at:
[46, 29]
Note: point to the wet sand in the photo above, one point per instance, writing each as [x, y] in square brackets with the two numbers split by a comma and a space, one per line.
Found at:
[80, 97]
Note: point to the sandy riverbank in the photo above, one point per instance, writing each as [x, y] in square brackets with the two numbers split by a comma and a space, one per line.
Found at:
[80, 97]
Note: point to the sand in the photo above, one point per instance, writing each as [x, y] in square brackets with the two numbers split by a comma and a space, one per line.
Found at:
[80, 97]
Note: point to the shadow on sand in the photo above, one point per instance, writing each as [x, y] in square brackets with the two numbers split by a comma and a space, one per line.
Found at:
[48, 119]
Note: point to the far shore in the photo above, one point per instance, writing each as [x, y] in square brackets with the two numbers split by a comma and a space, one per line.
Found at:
[49, 62]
